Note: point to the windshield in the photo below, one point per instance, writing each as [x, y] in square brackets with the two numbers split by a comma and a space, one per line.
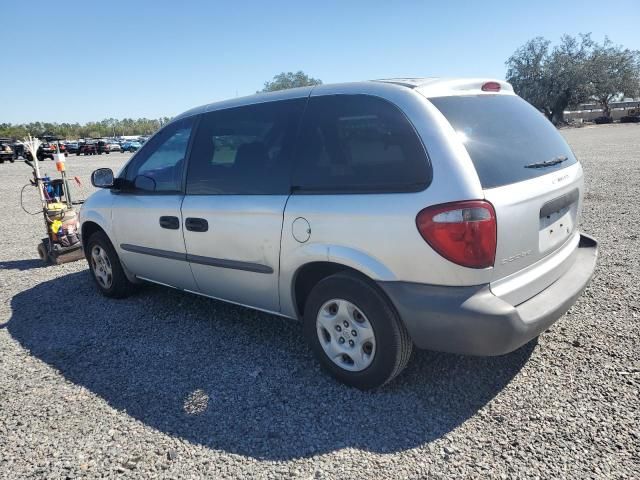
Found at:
[505, 136]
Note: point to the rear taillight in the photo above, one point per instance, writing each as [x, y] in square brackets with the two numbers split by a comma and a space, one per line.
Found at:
[462, 232]
[491, 87]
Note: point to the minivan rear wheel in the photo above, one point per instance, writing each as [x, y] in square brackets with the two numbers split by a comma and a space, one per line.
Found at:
[355, 332]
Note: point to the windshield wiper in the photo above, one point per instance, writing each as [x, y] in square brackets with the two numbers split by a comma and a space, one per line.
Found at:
[548, 163]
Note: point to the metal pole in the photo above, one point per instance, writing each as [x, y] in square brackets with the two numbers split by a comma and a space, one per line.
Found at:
[65, 183]
[39, 183]
[67, 191]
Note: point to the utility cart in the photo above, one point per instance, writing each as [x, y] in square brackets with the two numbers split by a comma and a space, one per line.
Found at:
[62, 243]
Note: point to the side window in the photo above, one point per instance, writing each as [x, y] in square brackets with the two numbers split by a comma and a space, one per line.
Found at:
[358, 144]
[158, 166]
[245, 150]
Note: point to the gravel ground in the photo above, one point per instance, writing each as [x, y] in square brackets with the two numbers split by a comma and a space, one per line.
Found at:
[164, 384]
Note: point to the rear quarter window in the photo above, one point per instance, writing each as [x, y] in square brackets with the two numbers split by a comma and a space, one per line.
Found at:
[503, 135]
[358, 144]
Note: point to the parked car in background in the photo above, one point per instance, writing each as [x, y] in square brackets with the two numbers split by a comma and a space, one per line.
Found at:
[18, 148]
[102, 147]
[433, 213]
[632, 115]
[59, 147]
[7, 152]
[47, 149]
[602, 120]
[114, 147]
[87, 148]
[130, 146]
[72, 147]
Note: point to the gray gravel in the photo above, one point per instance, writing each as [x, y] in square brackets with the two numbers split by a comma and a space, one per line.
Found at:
[169, 385]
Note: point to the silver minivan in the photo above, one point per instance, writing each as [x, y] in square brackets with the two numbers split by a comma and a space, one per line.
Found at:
[440, 213]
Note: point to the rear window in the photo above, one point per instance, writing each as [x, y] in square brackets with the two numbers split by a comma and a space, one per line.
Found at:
[503, 135]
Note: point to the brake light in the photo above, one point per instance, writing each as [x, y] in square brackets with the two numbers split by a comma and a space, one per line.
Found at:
[491, 87]
[462, 232]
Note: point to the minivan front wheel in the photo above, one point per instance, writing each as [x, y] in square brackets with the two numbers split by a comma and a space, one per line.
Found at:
[106, 268]
[355, 332]
[101, 266]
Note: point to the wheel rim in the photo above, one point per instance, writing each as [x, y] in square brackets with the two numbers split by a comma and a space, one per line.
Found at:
[346, 335]
[101, 266]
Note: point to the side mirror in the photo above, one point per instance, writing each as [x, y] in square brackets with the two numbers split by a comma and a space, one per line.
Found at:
[102, 178]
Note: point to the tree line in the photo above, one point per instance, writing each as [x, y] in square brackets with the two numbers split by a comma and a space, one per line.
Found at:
[109, 127]
[575, 71]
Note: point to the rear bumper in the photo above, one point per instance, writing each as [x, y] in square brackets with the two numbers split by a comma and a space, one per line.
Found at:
[472, 320]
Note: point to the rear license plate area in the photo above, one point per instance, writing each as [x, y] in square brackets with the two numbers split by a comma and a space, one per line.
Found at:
[557, 221]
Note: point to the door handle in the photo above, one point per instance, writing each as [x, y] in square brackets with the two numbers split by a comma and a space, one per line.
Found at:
[172, 223]
[196, 224]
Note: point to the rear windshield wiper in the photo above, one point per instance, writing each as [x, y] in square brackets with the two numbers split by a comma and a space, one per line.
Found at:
[548, 163]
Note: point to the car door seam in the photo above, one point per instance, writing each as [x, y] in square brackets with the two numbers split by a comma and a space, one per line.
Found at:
[184, 239]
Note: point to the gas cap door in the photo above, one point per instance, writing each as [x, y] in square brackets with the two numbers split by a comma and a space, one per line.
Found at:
[301, 229]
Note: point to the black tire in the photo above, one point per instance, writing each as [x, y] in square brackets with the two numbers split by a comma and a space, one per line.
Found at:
[120, 286]
[43, 253]
[393, 344]
[12, 160]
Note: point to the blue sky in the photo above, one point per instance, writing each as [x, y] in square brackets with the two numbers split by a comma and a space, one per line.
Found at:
[83, 60]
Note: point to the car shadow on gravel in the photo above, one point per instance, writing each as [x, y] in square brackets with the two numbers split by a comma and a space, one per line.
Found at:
[22, 265]
[237, 380]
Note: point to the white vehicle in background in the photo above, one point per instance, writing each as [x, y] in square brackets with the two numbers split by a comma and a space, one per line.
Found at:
[114, 147]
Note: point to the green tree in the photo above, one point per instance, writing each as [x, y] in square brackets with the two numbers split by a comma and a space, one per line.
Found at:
[527, 73]
[283, 80]
[614, 72]
[555, 79]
